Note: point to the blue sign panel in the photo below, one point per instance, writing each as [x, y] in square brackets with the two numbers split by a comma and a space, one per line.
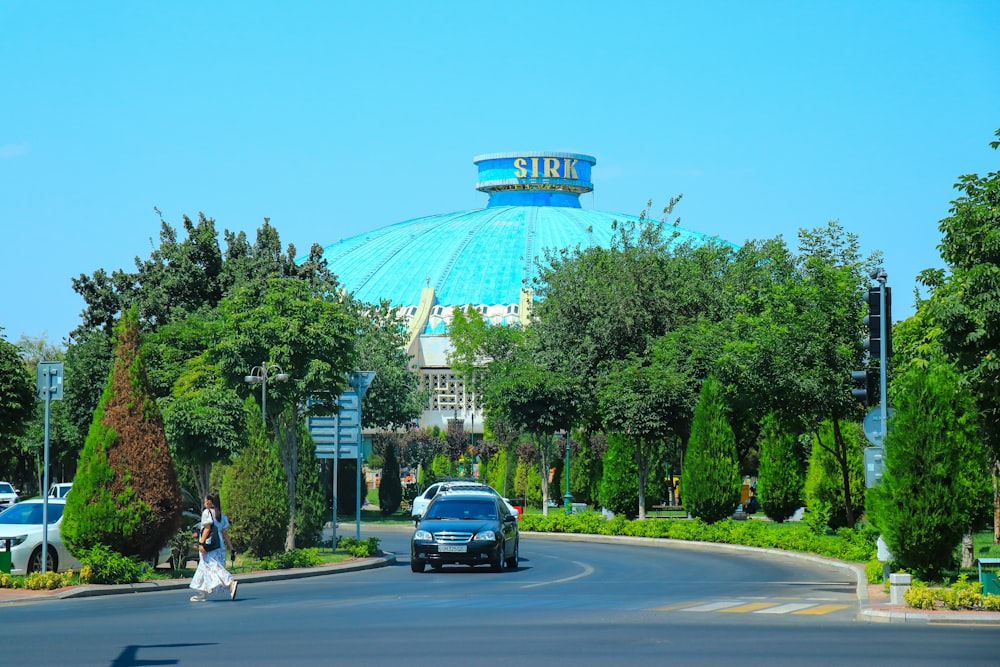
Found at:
[337, 436]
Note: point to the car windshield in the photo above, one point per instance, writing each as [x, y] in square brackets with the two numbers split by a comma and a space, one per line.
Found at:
[27, 514]
[6, 488]
[463, 509]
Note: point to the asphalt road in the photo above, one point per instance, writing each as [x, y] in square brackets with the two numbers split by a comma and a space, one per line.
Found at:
[568, 603]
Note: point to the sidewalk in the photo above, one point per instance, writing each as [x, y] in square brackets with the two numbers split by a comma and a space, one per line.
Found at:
[13, 596]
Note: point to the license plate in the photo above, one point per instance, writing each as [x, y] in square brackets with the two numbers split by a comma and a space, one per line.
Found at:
[452, 548]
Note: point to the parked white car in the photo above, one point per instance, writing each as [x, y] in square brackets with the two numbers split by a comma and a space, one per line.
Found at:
[22, 526]
[8, 495]
[421, 502]
[60, 490]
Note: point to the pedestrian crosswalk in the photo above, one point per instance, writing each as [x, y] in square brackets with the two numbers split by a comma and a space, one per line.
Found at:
[801, 607]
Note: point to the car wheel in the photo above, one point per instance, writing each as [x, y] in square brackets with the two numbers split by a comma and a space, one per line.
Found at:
[496, 563]
[416, 565]
[35, 562]
[512, 561]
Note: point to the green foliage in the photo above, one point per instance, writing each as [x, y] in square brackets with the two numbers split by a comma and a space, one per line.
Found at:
[854, 545]
[710, 480]
[310, 503]
[936, 479]
[780, 482]
[620, 483]
[390, 490]
[106, 566]
[360, 548]
[442, 466]
[125, 493]
[308, 557]
[17, 394]
[824, 487]
[256, 497]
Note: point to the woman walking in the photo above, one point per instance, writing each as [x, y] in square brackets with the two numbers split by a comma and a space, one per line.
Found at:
[211, 573]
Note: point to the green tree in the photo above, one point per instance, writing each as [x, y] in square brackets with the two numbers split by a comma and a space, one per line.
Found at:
[963, 303]
[780, 482]
[620, 483]
[798, 336]
[310, 502]
[390, 491]
[255, 494]
[125, 493]
[307, 332]
[710, 481]
[17, 399]
[824, 487]
[936, 482]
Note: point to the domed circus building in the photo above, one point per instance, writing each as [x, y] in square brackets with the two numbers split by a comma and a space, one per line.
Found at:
[482, 257]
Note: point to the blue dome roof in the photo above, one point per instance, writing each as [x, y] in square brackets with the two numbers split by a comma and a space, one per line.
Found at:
[482, 257]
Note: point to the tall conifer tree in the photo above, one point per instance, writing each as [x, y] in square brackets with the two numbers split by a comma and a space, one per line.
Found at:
[125, 493]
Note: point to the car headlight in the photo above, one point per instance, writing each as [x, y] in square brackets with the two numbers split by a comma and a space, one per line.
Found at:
[14, 541]
[486, 536]
[424, 535]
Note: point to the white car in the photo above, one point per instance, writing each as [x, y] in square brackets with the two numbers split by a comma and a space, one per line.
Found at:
[8, 496]
[21, 527]
[60, 490]
[421, 502]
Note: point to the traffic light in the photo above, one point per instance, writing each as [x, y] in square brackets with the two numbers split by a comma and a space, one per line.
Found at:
[873, 320]
[866, 387]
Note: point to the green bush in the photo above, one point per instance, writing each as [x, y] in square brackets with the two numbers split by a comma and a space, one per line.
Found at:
[824, 485]
[780, 482]
[295, 558]
[105, 566]
[360, 548]
[390, 491]
[255, 494]
[620, 483]
[855, 545]
[310, 503]
[936, 481]
[710, 481]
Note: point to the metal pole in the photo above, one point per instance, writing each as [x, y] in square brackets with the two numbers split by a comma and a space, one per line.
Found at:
[336, 465]
[568, 498]
[357, 532]
[45, 473]
[263, 393]
[882, 362]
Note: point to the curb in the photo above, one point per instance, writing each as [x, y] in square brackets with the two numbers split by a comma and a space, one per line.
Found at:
[867, 613]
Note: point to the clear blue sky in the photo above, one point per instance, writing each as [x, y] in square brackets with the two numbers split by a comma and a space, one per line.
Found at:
[332, 118]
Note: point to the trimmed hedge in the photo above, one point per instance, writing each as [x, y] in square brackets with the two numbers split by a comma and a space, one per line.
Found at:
[856, 545]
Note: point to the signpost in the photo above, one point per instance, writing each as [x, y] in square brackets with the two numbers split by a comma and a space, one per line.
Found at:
[49, 387]
[339, 436]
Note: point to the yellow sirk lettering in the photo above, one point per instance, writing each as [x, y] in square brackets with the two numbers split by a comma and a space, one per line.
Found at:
[551, 167]
[569, 169]
[519, 170]
[534, 167]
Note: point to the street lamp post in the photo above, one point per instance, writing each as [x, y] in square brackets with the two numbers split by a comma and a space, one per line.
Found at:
[260, 375]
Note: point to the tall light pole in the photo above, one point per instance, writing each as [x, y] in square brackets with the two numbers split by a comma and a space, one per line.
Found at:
[260, 375]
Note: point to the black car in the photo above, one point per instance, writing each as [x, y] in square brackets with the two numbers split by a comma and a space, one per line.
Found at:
[465, 528]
